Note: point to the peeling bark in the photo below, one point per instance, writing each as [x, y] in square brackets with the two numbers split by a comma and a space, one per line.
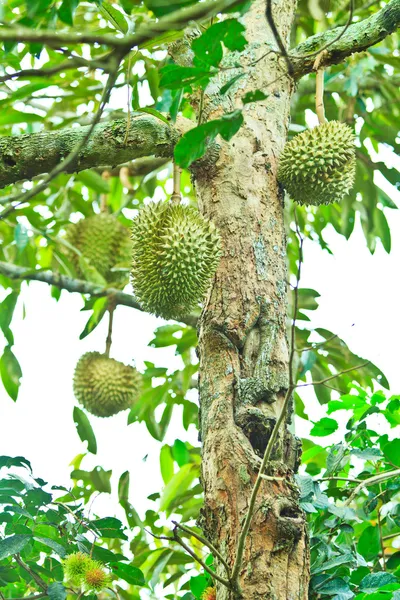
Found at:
[243, 345]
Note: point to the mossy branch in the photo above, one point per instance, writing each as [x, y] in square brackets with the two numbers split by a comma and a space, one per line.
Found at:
[27, 156]
[357, 38]
[76, 285]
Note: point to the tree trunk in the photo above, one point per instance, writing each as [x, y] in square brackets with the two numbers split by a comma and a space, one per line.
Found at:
[243, 345]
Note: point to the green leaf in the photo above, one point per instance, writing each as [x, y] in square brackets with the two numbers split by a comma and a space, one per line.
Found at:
[391, 452]
[166, 464]
[230, 83]
[155, 113]
[67, 10]
[198, 585]
[255, 96]
[128, 573]
[174, 77]
[109, 527]
[334, 562]
[113, 15]
[99, 310]
[56, 591]
[13, 545]
[208, 47]
[21, 236]
[369, 543]
[60, 550]
[7, 308]
[164, 7]
[178, 484]
[11, 373]
[85, 430]
[18, 461]
[193, 144]
[324, 426]
[180, 453]
[374, 581]
[91, 273]
[94, 181]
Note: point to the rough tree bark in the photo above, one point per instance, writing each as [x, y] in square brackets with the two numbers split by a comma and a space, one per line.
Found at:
[243, 345]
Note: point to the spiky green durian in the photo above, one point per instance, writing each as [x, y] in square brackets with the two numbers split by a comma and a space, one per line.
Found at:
[96, 578]
[75, 566]
[175, 254]
[318, 165]
[105, 386]
[103, 241]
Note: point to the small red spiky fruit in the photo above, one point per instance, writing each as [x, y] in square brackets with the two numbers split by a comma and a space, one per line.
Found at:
[96, 578]
[209, 593]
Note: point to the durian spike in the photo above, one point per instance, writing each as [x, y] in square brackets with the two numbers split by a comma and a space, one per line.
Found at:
[319, 88]
[176, 197]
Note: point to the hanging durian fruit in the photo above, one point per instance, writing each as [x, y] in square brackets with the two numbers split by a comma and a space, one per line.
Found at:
[104, 242]
[176, 252]
[318, 165]
[105, 386]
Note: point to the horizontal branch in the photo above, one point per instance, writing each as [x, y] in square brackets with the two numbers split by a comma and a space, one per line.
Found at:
[357, 38]
[175, 21]
[77, 285]
[29, 155]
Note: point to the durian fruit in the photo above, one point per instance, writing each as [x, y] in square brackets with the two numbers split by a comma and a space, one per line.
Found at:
[105, 386]
[318, 165]
[103, 241]
[75, 566]
[96, 578]
[209, 593]
[176, 252]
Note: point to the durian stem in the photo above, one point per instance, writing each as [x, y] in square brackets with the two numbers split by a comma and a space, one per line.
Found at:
[319, 96]
[176, 194]
[103, 198]
[110, 326]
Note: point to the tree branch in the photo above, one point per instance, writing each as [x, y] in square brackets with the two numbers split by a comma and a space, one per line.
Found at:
[176, 21]
[76, 285]
[29, 155]
[358, 37]
[372, 481]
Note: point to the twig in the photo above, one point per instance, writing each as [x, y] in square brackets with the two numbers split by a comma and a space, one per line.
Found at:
[34, 575]
[176, 194]
[381, 536]
[323, 381]
[372, 481]
[70, 64]
[204, 541]
[197, 558]
[319, 90]
[335, 39]
[175, 538]
[278, 39]
[77, 285]
[176, 21]
[25, 196]
[275, 430]
[314, 345]
[348, 479]
[391, 536]
[111, 309]
[33, 597]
